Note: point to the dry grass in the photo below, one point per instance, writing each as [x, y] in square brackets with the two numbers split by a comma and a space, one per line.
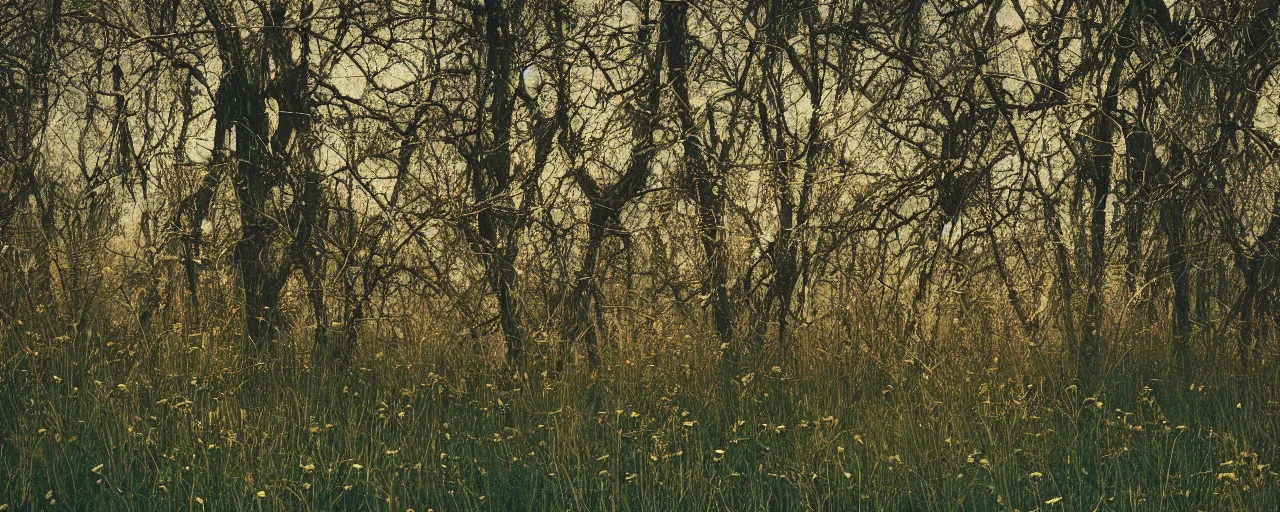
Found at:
[110, 422]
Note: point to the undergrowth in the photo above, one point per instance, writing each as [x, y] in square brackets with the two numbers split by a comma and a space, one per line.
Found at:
[109, 421]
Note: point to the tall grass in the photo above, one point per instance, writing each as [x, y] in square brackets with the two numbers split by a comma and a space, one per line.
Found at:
[116, 421]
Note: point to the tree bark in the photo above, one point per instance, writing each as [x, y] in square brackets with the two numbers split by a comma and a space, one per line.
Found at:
[607, 202]
[1098, 173]
[706, 187]
[492, 183]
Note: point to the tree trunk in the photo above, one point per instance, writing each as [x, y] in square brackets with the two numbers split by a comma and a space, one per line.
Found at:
[706, 187]
[583, 326]
[1098, 167]
[492, 183]
[1179, 271]
[607, 202]
[1141, 164]
[25, 118]
[771, 110]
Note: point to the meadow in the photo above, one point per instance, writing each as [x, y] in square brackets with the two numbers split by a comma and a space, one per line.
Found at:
[108, 422]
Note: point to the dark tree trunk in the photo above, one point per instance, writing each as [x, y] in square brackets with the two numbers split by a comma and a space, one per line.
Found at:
[1247, 301]
[1098, 172]
[24, 110]
[1062, 264]
[313, 272]
[583, 326]
[245, 110]
[607, 202]
[771, 110]
[491, 183]
[1142, 166]
[706, 187]
[262, 160]
[1173, 222]
[252, 191]
[1252, 262]
[1179, 272]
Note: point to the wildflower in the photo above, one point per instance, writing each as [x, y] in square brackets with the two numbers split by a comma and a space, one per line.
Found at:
[308, 467]
[357, 466]
[262, 494]
[97, 469]
[199, 500]
[1227, 477]
[1051, 501]
[122, 387]
[1035, 474]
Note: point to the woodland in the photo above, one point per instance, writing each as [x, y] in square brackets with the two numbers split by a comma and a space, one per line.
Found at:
[639, 255]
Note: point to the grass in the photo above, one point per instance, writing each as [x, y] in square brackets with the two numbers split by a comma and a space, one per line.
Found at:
[110, 421]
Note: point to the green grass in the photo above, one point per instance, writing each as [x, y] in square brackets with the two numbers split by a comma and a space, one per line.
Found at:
[110, 422]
